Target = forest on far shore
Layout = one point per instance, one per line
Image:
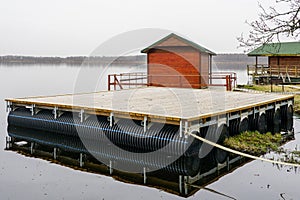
(221, 60)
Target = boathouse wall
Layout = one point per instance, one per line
(175, 67)
(284, 60)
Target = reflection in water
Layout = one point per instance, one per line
(70, 151)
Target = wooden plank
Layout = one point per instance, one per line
(158, 103)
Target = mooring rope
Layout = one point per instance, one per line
(241, 153)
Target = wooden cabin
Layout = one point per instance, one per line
(283, 60)
(175, 61)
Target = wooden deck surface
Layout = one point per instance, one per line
(174, 103)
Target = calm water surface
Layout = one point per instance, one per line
(31, 178)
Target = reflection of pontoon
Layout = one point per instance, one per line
(64, 150)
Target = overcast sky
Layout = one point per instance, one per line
(77, 27)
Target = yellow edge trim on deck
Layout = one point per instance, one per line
(131, 114)
(104, 112)
(241, 108)
(175, 118)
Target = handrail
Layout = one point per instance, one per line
(140, 79)
(260, 70)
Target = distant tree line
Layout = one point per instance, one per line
(221, 61)
(232, 58)
(73, 60)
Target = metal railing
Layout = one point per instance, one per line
(141, 79)
(274, 70)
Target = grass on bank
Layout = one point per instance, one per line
(277, 88)
(254, 143)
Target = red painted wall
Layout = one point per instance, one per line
(177, 67)
(204, 68)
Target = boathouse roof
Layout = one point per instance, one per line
(277, 49)
(176, 40)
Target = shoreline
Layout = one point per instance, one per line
(277, 88)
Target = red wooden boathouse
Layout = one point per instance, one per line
(175, 61)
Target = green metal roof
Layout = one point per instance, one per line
(188, 42)
(277, 49)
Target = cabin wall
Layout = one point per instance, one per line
(204, 69)
(174, 67)
(284, 60)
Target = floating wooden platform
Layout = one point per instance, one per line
(214, 113)
(157, 103)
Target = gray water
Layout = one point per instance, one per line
(32, 178)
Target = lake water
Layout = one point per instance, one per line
(32, 178)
